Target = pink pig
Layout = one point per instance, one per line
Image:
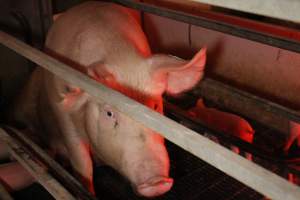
(225, 122)
(106, 41)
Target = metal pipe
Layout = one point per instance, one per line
(38, 171)
(64, 177)
(219, 26)
(245, 103)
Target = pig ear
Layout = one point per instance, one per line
(100, 73)
(200, 103)
(73, 98)
(178, 75)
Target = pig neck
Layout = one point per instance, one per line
(131, 71)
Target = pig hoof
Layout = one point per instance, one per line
(155, 186)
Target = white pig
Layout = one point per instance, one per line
(106, 42)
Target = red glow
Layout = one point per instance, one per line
(223, 121)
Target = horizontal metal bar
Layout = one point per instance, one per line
(64, 177)
(4, 195)
(285, 10)
(34, 168)
(242, 102)
(219, 26)
(223, 159)
(259, 102)
(198, 125)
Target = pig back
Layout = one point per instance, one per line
(97, 32)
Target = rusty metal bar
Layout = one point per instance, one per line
(36, 169)
(4, 195)
(283, 43)
(223, 159)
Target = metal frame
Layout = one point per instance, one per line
(18, 142)
(286, 10)
(239, 168)
(35, 168)
(59, 183)
(283, 43)
(255, 107)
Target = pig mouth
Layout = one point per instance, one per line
(154, 186)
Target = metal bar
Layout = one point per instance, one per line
(34, 168)
(64, 177)
(239, 168)
(197, 125)
(285, 10)
(4, 195)
(219, 26)
(247, 104)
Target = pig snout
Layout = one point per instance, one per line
(155, 186)
(152, 178)
(149, 170)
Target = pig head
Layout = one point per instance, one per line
(106, 42)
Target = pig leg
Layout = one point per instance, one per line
(248, 156)
(78, 152)
(82, 163)
(236, 150)
(294, 135)
(14, 177)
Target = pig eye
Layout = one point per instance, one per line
(109, 114)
